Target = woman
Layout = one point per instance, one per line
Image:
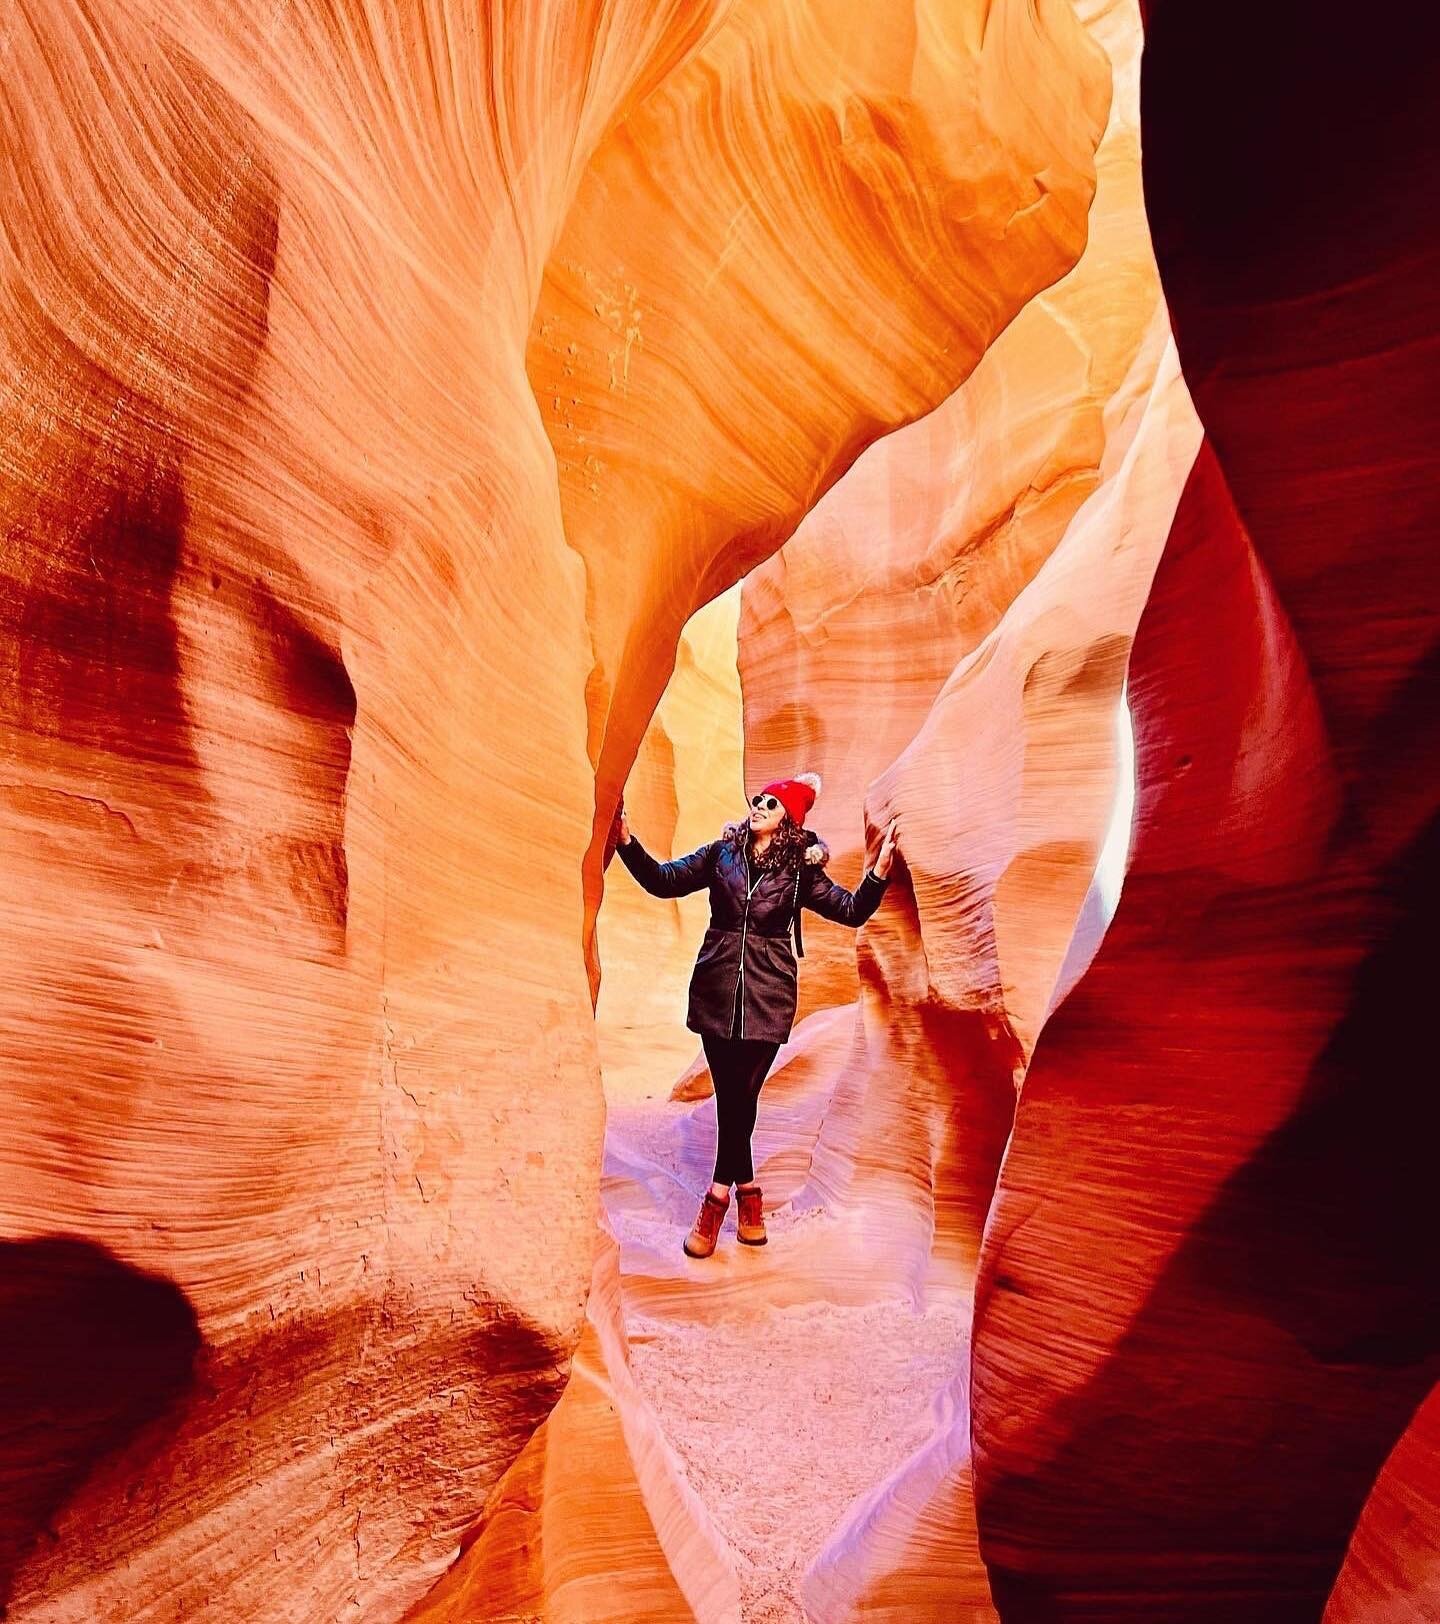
(760, 873)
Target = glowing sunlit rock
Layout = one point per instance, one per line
(324, 601)
(873, 649)
(685, 785)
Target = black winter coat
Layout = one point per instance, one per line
(745, 960)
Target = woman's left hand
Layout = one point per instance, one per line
(887, 848)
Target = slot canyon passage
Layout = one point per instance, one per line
(422, 423)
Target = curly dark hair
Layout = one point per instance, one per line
(785, 851)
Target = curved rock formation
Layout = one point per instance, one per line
(381, 391)
(685, 784)
(1208, 1301)
(1076, 432)
(852, 199)
(595, 1522)
(298, 618)
(873, 648)
(1391, 1572)
(951, 1046)
(1041, 492)
(276, 496)
(851, 635)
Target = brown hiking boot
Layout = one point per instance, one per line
(700, 1242)
(751, 1222)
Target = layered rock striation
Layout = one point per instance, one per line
(381, 393)
(950, 626)
(1391, 1571)
(1208, 1307)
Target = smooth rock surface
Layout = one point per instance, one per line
(955, 617)
(1391, 1572)
(292, 1045)
(1208, 1298)
(595, 1522)
(686, 784)
(352, 511)
(804, 239)
(875, 644)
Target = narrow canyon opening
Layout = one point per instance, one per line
(801, 1392)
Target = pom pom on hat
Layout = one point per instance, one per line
(812, 779)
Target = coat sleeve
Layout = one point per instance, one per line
(831, 901)
(675, 879)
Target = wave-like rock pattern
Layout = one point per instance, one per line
(1046, 486)
(1391, 1572)
(1052, 475)
(806, 238)
(595, 1522)
(1208, 1303)
(1041, 492)
(380, 392)
(684, 785)
(940, 1095)
(382, 389)
(275, 496)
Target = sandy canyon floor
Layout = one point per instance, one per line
(791, 1387)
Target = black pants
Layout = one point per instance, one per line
(737, 1067)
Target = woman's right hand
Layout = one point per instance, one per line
(623, 838)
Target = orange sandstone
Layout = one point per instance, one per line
(312, 594)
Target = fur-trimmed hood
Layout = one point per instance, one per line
(816, 852)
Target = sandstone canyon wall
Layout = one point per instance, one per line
(381, 393)
(686, 782)
(873, 648)
(299, 1182)
(948, 631)
(1207, 1257)
(1391, 1572)
(1208, 1304)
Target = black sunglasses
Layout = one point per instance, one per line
(766, 803)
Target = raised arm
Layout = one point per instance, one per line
(674, 879)
(831, 901)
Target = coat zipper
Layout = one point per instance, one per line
(744, 926)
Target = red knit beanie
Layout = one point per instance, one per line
(796, 795)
